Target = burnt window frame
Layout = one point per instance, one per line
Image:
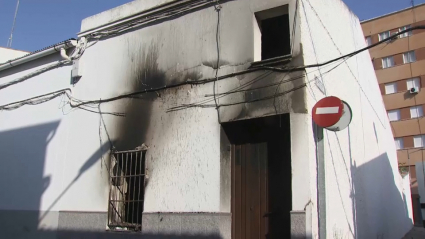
(126, 189)
(267, 14)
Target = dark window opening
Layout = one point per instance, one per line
(275, 32)
(126, 193)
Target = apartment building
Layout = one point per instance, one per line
(400, 69)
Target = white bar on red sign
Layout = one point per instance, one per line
(327, 110)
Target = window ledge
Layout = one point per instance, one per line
(280, 60)
(401, 120)
(410, 148)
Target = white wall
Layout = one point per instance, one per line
(33, 140)
(9, 54)
(364, 190)
(184, 155)
(420, 171)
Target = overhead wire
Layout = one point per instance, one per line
(34, 100)
(311, 40)
(288, 70)
(241, 89)
(368, 47)
(292, 50)
(281, 93)
(217, 8)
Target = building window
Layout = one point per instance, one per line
(406, 34)
(384, 35)
(412, 83)
(368, 41)
(390, 88)
(418, 141)
(271, 29)
(127, 183)
(416, 111)
(399, 143)
(394, 115)
(387, 62)
(409, 57)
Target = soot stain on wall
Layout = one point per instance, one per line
(133, 128)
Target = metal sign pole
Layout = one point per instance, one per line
(320, 180)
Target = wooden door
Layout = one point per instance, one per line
(261, 177)
(250, 202)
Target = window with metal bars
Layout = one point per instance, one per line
(126, 192)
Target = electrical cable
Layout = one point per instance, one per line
(217, 8)
(292, 50)
(280, 94)
(358, 83)
(34, 100)
(35, 73)
(259, 99)
(203, 102)
(150, 19)
(311, 40)
(298, 68)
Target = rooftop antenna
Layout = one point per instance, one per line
(9, 42)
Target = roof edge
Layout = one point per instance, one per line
(391, 13)
(14, 49)
(37, 54)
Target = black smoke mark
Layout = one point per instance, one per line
(133, 128)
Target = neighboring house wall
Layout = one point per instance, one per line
(9, 54)
(420, 172)
(33, 143)
(364, 189)
(395, 83)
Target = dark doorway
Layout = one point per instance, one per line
(261, 177)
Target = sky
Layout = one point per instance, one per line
(41, 23)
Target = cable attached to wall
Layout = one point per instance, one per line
(273, 69)
(217, 8)
(330, 36)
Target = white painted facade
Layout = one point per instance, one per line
(420, 172)
(64, 151)
(366, 196)
(9, 54)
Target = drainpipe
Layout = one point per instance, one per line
(48, 51)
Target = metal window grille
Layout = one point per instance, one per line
(126, 189)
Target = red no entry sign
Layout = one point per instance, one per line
(328, 111)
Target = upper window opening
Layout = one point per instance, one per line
(272, 33)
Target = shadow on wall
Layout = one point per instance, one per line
(22, 153)
(22, 180)
(379, 204)
(379, 208)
